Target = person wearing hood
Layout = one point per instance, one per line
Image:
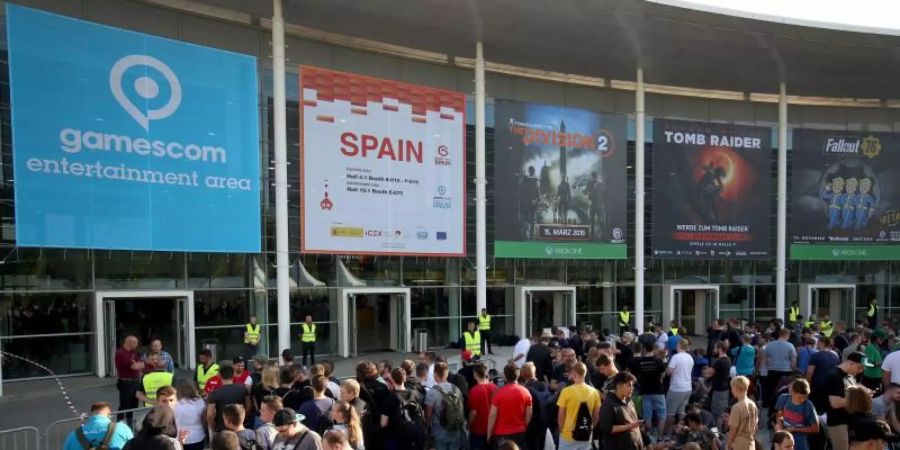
(158, 431)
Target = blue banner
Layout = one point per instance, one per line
(122, 140)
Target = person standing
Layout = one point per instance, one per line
(679, 369)
(624, 321)
(511, 410)
(480, 408)
(520, 352)
(128, 371)
(650, 370)
(795, 413)
(721, 368)
(872, 375)
(190, 415)
(152, 381)
(619, 422)
(99, 429)
(156, 347)
(835, 385)
(206, 369)
(484, 328)
(539, 353)
(472, 339)
(793, 314)
(743, 419)
(579, 411)
(251, 338)
(872, 314)
(781, 360)
(447, 425)
(308, 340)
(293, 435)
(229, 393)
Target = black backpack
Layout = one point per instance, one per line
(584, 423)
(103, 445)
(411, 421)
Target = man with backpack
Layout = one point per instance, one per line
(541, 400)
(317, 411)
(579, 411)
(403, 420)
(99, 432)
(233, 416)
(444, 410)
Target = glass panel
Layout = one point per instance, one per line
(499, 301)
(430, 303)
(686, 271)
(734, 302)
(438, 330)
(139, 270)
(46, 269)
(24, 314)
(213, 308)
(426, 272)
(219, 270)
(61, 354)
(374, 270)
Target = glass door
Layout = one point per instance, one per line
(353, 322)
(399, 332)
(112, 338)
(679, 312)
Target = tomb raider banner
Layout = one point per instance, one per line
(845, 195)
(711, 187)
(560, 182)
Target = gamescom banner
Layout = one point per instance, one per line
(560, 175)
(383, 166)
(122, 140)
(711, 186)
(845, 196)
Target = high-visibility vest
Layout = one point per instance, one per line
(484, 323)
(624, 318)
(794, 312)
(872, 310)
(827, 328)
(252, 335)
(203, 374)
(808, 324)
(674, 331)
(309, 333)
(152, 382)
(473, 342)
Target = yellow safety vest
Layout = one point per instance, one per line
(674, 331)
(827, 328)
(792, 316)
(473, 342)
(203, 375)
(309, 333)
(484, 323)
(808, 324)
(152, 382)
(624, 317)
(872, 310)
(252, 335)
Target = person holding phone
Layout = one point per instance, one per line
(619, 424)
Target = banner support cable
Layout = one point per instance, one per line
(282, 263)
(639, 118)
(781, 244)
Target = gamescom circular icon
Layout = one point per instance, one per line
(617, 233)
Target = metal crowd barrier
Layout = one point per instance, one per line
(22, 438)
(55, 434)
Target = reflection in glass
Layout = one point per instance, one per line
(138, 270)
(24, 314)
(61, 354)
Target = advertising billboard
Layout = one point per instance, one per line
(560, 182)
(845, 195)
(122, 140)
(711, 190)
(383, 166)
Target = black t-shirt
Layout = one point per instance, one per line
(392, 409)
(228, 394)
(259, 392)
(290, 398)
(624, 357)
(722, 377)
(836, 383)
(539, 354)
(649, 371)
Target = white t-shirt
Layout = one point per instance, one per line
(662, 340)
(681, 364)
(521, 349)
(892, 363)
(188, 416)
(429, 381)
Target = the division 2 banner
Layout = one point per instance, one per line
(710, 190)
(383, 166)
(560, 175)
(845, 198)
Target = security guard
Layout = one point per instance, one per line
(624, 320)
(153, 380)
(673, 330)
(484, 328)
(872, 313)
(827, 327)
(251, 339)
(308, 340)
(473, 339)
(793, 313)
(206, 370)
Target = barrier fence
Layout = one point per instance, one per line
(22, 438)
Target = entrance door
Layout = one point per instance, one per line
(836, 302)
(374, 319)
(164, 315)
(544, 307)
(694, 307)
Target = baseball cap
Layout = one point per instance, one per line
(873, 430)
(554, 345)
(860, 358)
(880, 334)
(286, 416)
(237, 359)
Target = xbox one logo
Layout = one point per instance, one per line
(548, 250)
(835, 252)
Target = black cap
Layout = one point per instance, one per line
(237, 359)
(872, 430)
(860, 358)
(284, 417)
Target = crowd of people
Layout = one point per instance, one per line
(564, 388)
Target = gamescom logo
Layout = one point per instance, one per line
(145, 87)
(443, 156)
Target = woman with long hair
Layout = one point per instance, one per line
(267, 386)
(346, 419)
(190, 415)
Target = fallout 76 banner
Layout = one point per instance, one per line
(845, 196)
(711, 187)
(560, 175)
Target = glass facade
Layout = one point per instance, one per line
(47, 295)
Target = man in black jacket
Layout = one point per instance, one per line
(539, 354)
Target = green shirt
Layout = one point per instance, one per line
(874, 356)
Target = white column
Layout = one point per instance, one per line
(781, 243)
(282, 263)
(639, 202)
(480, 182)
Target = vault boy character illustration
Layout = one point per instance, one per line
(852, 195)
(833, 194)
(865, 207)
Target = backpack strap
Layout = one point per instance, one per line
(82, 439)
(110, 431)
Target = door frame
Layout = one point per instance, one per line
(521, 305)
(806, 299)
(344, 325)
(669, 300)
(100, 322)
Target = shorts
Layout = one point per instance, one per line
(653, 405)
(676, 403)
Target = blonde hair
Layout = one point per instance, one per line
(351, 386)
(857, 400)
(350, 416)
(271, 378)
(740, 383)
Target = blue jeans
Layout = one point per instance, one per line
(573, 445)
(446, 440)
(653, 405)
